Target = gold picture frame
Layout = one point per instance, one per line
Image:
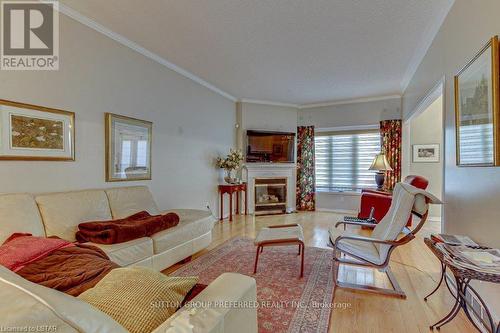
(128, 148)
(36, 133)
(477, 109)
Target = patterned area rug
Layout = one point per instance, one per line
(287, 303)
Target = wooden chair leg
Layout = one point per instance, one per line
(259, 249)
(301, 247)
(336, 267)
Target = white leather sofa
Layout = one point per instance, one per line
(58, 214)
(25, 305)
(28, 307)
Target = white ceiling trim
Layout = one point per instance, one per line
(428, 99)
(349, 101)
(257, 101)
(136, 47)
(410, 72)
(420, 53)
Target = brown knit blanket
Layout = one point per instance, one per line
(71, 270)
(136, 226)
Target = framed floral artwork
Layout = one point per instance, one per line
(32, 132)
(477, 109)
(128, 148)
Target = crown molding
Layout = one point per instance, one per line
(412, 68)
(257, 101)
(431, 96)
(64, 9)
(424, 46)
(349, 101)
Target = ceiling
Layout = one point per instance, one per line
(293, 51)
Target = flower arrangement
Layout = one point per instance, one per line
(232, 161)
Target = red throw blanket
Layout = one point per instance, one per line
(71, 270)
(136, 226)
(20, 249)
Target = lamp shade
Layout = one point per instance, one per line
(380, 163)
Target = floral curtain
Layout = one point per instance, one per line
(390, 131)
(305, 168)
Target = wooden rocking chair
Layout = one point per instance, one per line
(375, 251)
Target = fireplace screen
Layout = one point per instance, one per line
(270, 195)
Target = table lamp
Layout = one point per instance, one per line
(381, 165)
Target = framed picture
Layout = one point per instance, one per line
(128, 148)
(477, 109)
(32, 132)
(426, 153)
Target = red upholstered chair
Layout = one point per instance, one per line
(381, 200)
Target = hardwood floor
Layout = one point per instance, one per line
(415, 267)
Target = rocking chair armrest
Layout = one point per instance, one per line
(361, 224)
(398, 242)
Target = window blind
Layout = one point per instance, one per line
(342, 160)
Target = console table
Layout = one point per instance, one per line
(463, 277)
(231, 189)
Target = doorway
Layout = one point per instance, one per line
(423, 148)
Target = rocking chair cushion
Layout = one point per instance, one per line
(364, 250)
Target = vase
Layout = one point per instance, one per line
(228, 178)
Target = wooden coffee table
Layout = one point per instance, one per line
(280, 235)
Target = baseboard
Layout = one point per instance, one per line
(479, 312)
(338, 211)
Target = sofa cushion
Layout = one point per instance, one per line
(193, 223)
(23, 304)
(125, 201)
(62, 212)
(128, 253)
(154, 296)
(19, 213)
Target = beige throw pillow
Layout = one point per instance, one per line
(138, 298)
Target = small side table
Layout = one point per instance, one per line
(231, 189)
(463, 277)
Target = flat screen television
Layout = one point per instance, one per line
(270, 147)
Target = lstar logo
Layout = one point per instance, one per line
(30, 35)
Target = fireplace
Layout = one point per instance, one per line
(270, 195)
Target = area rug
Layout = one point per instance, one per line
(287, 303)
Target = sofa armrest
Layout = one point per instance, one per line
(228, 304)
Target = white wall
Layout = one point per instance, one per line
(269, 117)
(352, 114)
(427, 128)
(471, 195)
(191, 123)
(252, 116)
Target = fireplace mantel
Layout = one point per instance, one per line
(271, 170)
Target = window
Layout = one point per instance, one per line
(342, 160)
